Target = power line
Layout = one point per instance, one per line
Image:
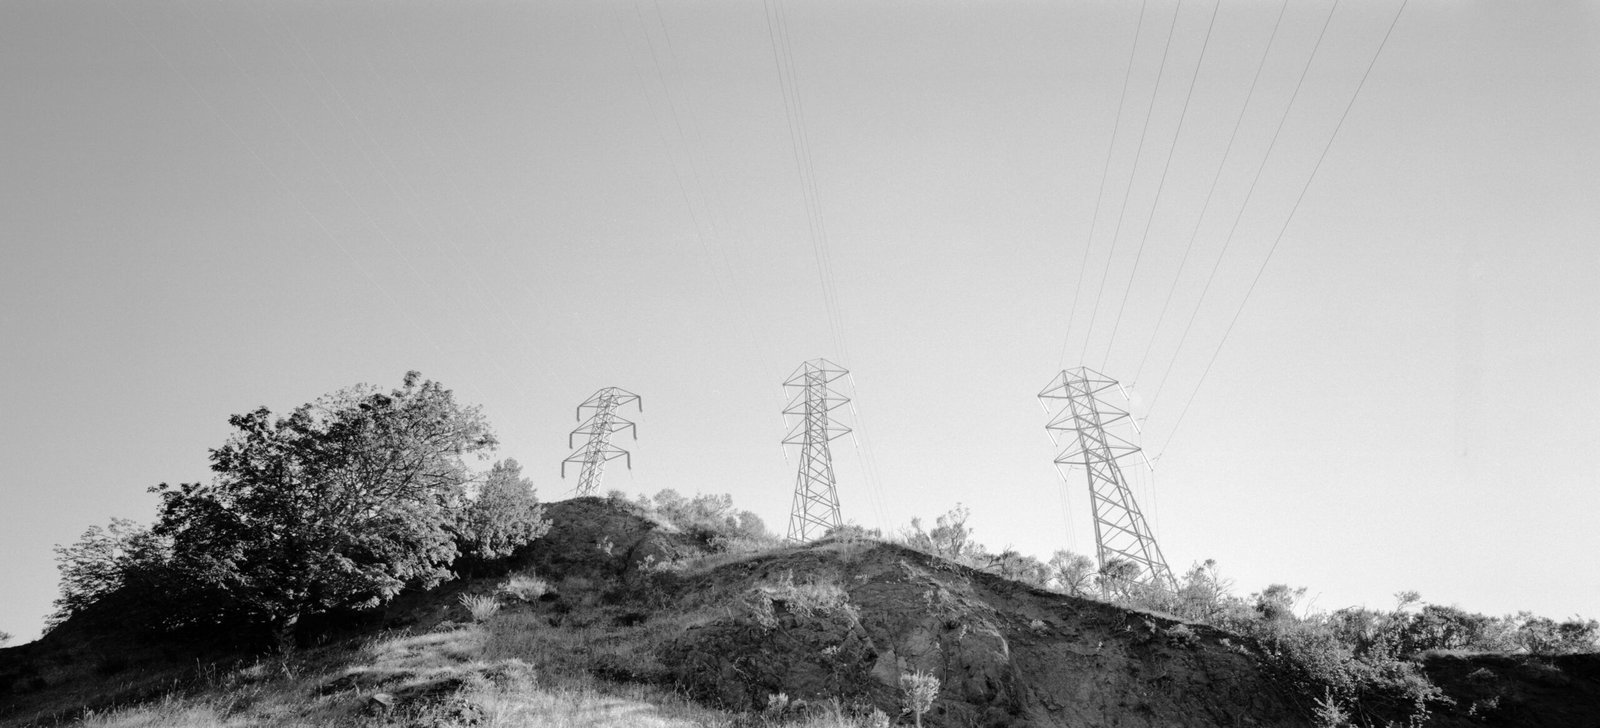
(1249, 194)
(1210, 193)
(1105, 169)
(805, 161)
(799, 138)
(1285, 227)
(710, 199)
(1162, 184)
(1133, 175)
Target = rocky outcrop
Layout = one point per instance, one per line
(1005, 654)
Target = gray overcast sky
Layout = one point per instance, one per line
(206, 207)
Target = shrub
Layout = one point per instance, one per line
(917, 693)
(810, 598)
(1328, 713)
(1071, 573)
(1437, 627)
(949, 539)
(1545, 636)
(710, 519)
(1180, 635)
(1203, 594)
(1118, 579)
(480, 606)
(853, 533)
(1017, 566)
(504, 515)
(124, 562)
(525, 587)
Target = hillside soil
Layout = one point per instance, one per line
(833, 624)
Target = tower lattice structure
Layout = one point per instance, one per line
(603, 421)
(816, 496)
(1120, 530)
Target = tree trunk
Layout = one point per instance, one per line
(284, 631)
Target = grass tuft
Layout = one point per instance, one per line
(525, 588)
(480, 606)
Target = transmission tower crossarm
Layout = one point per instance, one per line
(603, 422)
(1120, 529)
(815, 507)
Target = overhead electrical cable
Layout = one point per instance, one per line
(805, 162)
(1161, 186)
(1105, 170)
(1210, 193)
(1249, 194)
(1288, 219)
(788, 81)
(712, 202)
(1133, 175)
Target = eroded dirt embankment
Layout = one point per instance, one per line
(1005, 654)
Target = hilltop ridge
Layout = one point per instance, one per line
(812, 635)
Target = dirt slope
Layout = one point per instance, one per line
(1005, 654)
(834, 621)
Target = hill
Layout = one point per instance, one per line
(638, 623)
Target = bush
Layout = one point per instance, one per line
(525, 587)
(917, 693)
(1071, 573)
(949, 539)
(480, 606)
(125, 560)
(709, 519)
(1544, 636)
(1016, 566)
(810, 598)
(504, 515)
(853, 533)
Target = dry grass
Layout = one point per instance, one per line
(523, 664)
(525, 587)
(480, 606)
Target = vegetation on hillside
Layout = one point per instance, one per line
(1356, 658)
(338, 505)
(347, 503)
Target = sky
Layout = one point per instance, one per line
(1351, 296)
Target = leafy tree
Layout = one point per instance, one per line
(1436, 627)
(1118, 578)
(1276, 602)
(709, 518)
(1545, 636)
(122, 558)
(504, 515)
(5, 637)
(340, 504)
(1017, 566)
(1203, 593)
(1072, 573)
(950, 538)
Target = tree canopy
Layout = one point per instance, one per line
(341, 503)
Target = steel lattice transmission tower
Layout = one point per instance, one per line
(602, 422)
(816, 499)
(1120, 531)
